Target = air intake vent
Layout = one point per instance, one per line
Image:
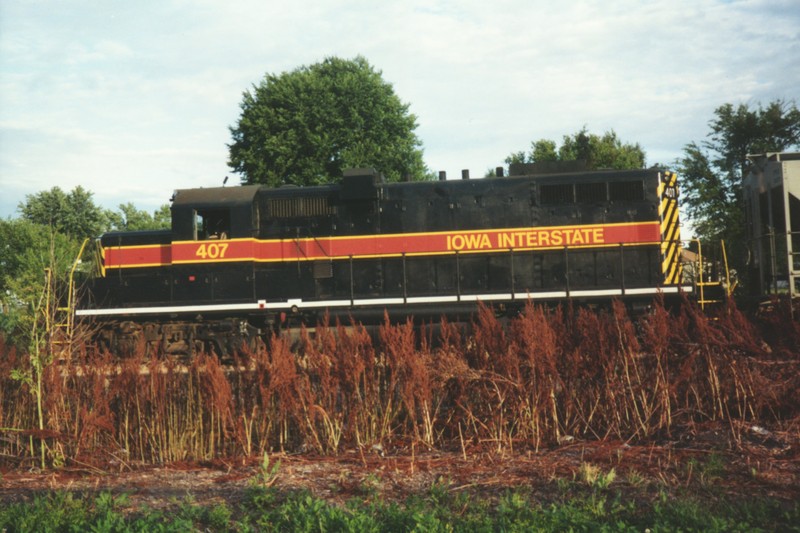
(300, 207)
(626, 191)
(557, 194)
(590, 192)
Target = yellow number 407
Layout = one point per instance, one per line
(212, 250)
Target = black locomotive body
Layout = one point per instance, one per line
(240, 261)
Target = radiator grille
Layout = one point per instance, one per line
(300, 207)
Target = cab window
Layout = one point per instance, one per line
(212, 224)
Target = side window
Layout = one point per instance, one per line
(211, 224)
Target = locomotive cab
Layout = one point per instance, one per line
(216, 213)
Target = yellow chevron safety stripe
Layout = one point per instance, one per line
(670, 228)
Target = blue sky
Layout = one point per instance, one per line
(132, 100)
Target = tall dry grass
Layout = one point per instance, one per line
(542, 378)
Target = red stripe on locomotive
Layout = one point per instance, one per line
(384, 245)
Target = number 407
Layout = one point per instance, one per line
(212, 250)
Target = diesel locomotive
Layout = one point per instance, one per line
(240, 262)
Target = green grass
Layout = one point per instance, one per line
(265, 509)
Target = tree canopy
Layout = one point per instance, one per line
(711, 171)
(129, 218)
(306, 126)
(74, 213)
(26, 250)
(598, 151)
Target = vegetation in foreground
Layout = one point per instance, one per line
(543, 379)
(593, 508)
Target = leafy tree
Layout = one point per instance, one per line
(547, 150)
(162, 217)
(73, 213)
(28, 249)
(711, 171)
(129, 218)
(306, 126)
(606, 151)
(24, 253)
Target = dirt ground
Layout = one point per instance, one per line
(705, 460)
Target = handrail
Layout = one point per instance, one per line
(69, 322)
(779, 253)
(702, 284)
(311, 235)
(511, 252)
(729, 287)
